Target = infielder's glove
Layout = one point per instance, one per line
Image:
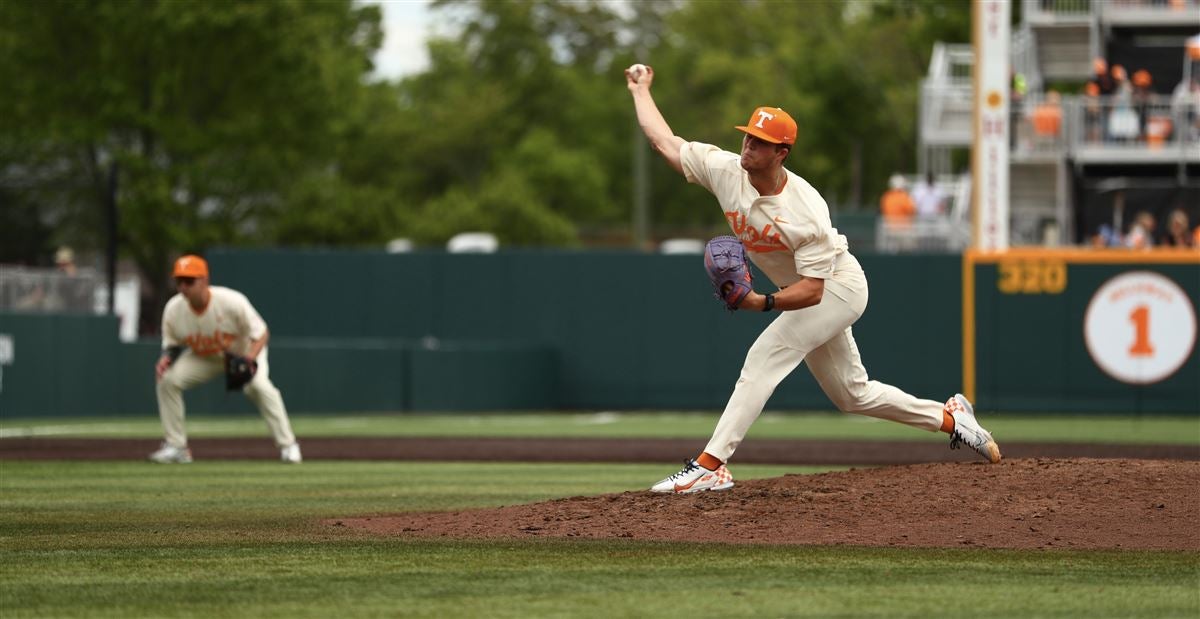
(725, 260)
(238, 371)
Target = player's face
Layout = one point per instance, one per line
(758, 154)
(192, 288)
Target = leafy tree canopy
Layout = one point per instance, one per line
(257, 122)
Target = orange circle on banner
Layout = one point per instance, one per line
(993, 99)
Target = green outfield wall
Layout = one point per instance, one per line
(1084, 330)
(585, 330)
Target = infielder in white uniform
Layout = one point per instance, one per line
(785, 227)
(199, 325)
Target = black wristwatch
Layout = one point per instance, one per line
(770, 303)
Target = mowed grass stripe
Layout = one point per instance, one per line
(592, 579)
(1117, 429)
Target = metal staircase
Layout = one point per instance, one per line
(1064, 35)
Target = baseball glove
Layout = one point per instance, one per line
(725, 261)
(238, 371)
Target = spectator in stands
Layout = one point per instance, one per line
(1046, 119)
(1142, 80)
(1123, 124)
(1016, 103)
(1122, 88)
(45, 290)
(1101, 78)
(1185, 104)
(1178, 233)
(928, 198)
(896, 205)
(1141, 233)
(1093, 118)
(64, 260)
(1142, 96)
(1106, 236)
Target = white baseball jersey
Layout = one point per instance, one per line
(788, 235)
(229, 322)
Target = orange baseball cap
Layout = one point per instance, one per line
(771, 124)
(190, 266)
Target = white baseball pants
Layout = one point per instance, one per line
(821, 336)
(190, 370)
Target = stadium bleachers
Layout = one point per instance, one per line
(1071, 153)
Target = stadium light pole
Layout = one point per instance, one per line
(641, 190)
(110, 206)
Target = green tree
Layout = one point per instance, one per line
(254, 122)
(848, 72)
(524, 97)
(214, 114)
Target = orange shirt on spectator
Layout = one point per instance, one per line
(1047, 120)
(897, 207)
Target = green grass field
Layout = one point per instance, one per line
(245, 539)
(1068, 428)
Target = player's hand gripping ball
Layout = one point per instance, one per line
(635, 71)
(725, 261)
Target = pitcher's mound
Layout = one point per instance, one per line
(1032, 503)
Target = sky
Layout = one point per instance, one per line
(406, 23)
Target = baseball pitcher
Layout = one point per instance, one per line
(210, 331)
(784, 228)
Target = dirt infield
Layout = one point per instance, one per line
(1044, 495)
(758, 451)
(1028, 504)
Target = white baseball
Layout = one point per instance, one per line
(636, 70)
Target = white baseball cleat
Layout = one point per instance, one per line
(695, 478)
(968, 431)
(168, 454)
(290, 454)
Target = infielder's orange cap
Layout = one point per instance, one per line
(190, 266)
(771, 124)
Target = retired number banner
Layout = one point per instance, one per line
(989, 155)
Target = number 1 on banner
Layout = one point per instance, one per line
(1140, 317)
(1140, 328)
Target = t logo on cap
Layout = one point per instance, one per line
(772, 125)
(763, 115)
(190, 266)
